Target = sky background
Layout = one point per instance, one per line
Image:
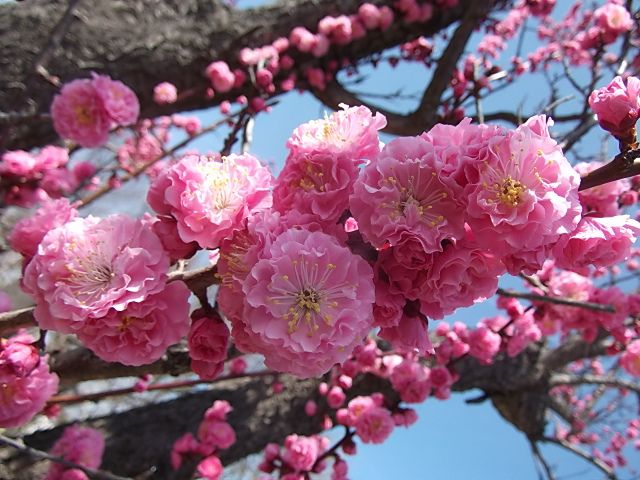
(451, 440)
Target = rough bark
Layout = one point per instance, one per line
(145, 42)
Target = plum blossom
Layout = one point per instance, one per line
(210, 197)
(142, 333)
(208, 341)
(81, 445)
(210, 468)
(630, 359)
(119, 101)
(25, 381)
(617, 105)
(602, 199)
(308, 303)
(301, 453)
(88, 266)
(165, 93)
(221, 76)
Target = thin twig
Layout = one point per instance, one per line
(584, 455)
(557, 300)
(537, 455)
(566, 379)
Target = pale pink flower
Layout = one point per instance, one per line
(335, 397)
(401, 192)
(369, 15)
(460, 276)
(218, 411)
(89, 266)
(525, 197)
(210, 468)
(29, 232)
(210, 197)
(221, 76)
(119, 101)
(208, 341)
(308, 303)
(51, 158)
(18, 163)
(301, 453)
(524, 330)
(601, 242)
(602, 199)
(79, 114)
(5, 302)
(613, 19)
(141, 333)
(374, 425)
(165, 93)
(81, 445)
(630, 359)
(617, 105)
(302, 39)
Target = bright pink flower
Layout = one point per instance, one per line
(221, 76)
(308, 303)
(89, 266)
(51, 158)
(369, 15)
(210, 468)
(374, 425)
(81, 445)
(165, 93)
(29, 232)
(410, 335)
(141, 333)
(79, 114)
(411, 380)
(183, 446)
(301, 453)
(302, 39)
(400, 192)
(525, 197)
(218, 411)
(617, 105)
(119, 101)
(601, 242)
(460, 276)
(603, 199)
(18, 163)
(216, 433)
(210, 197)
(166, 228)
(336, 397)
(387, 310)
(630, 359)
(208, 341)
(484, 344)
(523, 331)
(540, 8)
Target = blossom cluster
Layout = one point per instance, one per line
(83, 446)
(214, 434)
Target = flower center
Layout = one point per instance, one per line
(83, 115)
(510, 192)
(126, 322)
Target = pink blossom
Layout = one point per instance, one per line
(336, 397)
(630, 359)
(218, 411)
(410, 335)
(602, 199)
(401, 192)
(525, 196)
(369, 15)
(166, 228)
(460, 276)
(210, 468)
(308, 303)
(79, 114)
(301, 453)
(613, 20)
(601, 242)
(374, 425)
(540, 7)
(617, 105)
(80, 445)
(5, 302)
(165, 93)
(216, 433)
(387, 310)
(29, 232)
(484, 344)
(221, 76)
(89, 266)
(302, 39)
(210, 197)
(208, 341)
(119, 101)
(18, 163)
(142, 333)
(523, 332)
(185, 445)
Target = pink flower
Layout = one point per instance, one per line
(336, 397)
(484, 344)
(301, 453)
(216, 433)
(89, 266)
(308, 303)
(525, 197)
(221, 76)
(29, 232)
(18, 163)
(601, 242)
(613, 20)
(142, 333)
(602, 199)
(166, 228)
(183, 446)
(79, 114)
(218, 411)
(165, 93)
(387, 310)
(119, 101)
(401, 192)
(210, 468)
(369, 15)
(374, 425)
(81, 445)
(630, 359)
(208, 341)
(210, 197)
(410, 335)
(25, 381)
(460, 276)
(617, 105)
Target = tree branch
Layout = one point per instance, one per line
(614, 382)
